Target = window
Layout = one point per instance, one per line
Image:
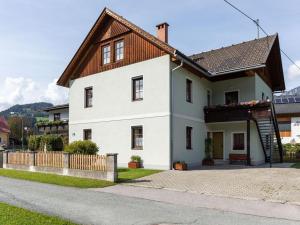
(119, 48)
(208, 95)
(189, 137)
(137, 137)
(262, 96)
(231, 97)
(238, 141)
(137, 88)
(87, 134)
(106, 54)
(188, 90)
(89, 97)
(56, 116)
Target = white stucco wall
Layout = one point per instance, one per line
(114, 113)
(262, 87)
(244, 85)
(228, 128)
(64, 114)
(189, 114)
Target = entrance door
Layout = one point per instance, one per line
(217, 145)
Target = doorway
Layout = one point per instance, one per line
(217, 145)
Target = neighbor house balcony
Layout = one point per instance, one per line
(53, 127)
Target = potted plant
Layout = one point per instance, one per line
(180, 165)
(135, 162)
(208, 160)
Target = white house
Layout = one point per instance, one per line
(134, 94)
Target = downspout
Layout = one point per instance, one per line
(171, 111)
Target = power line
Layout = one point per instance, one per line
(260, 27)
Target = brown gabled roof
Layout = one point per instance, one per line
(82, 51)
(245, 55)
(56, 107)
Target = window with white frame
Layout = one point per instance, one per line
(106, 54)
(238, 141)
(137, 137)
(119, 50)
(189, 138)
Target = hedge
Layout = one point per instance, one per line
(82, 147)
(52, 142)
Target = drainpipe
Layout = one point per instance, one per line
(171, 112)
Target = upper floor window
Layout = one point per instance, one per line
(87, 134)
(188, 90)
(137, 88)
(208, 96)
(88, 97)
(106, 54)
(119, 48)
(137, 137)
(56, 116)
(231, 97)
(189, 137)
(262, 96)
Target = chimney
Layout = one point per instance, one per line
(162, 32)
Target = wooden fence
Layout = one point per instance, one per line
(88, 162)
(49, 159)
(20, 158)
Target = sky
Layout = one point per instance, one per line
(39, 38)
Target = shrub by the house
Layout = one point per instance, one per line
(82, 147)
(49, 142)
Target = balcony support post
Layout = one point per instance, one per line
(248, 143)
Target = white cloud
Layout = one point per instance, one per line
(294, 71)
(22, 90)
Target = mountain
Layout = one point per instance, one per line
(32, 110)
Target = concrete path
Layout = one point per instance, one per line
(269, 184)
(94, 207)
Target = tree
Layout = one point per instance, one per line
(15, 125)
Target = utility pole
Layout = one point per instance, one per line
(257, 25)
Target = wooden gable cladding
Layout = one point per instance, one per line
(113, 29)
(136, 49)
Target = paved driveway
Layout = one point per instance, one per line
(271, 184)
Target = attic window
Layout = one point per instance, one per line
(119, 50)
(106, 54)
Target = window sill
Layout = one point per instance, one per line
(137, 100)
(189, 149)
(137, 149)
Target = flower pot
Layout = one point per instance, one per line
(208, 162)
(180, 166)
(134, 165)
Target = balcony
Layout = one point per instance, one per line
(237, 112)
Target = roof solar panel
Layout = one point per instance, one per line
(297, 99)
(278, 100)
(284, 100)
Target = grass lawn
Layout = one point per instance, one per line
(11, 215)
(125, 174)
(55, 179)
(296, 165)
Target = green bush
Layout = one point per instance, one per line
(291, 147)
(34, 142)
(136, 158)
(82, 147)
(52, 142)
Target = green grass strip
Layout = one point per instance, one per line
(11, 215)
(55, 179)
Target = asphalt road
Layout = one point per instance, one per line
(94, 207)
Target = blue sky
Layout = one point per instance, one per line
(38, 38)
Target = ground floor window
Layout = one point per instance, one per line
(189, 137)
(137, 137)
(87, 134)
(238, 141)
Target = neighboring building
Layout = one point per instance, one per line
(287, 107)
(58, 121)
(4, 133)
(134, 94)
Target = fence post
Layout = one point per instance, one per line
(5, 159)
(66, 161)
(112, 167)
(1, 159)
(32, 161)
